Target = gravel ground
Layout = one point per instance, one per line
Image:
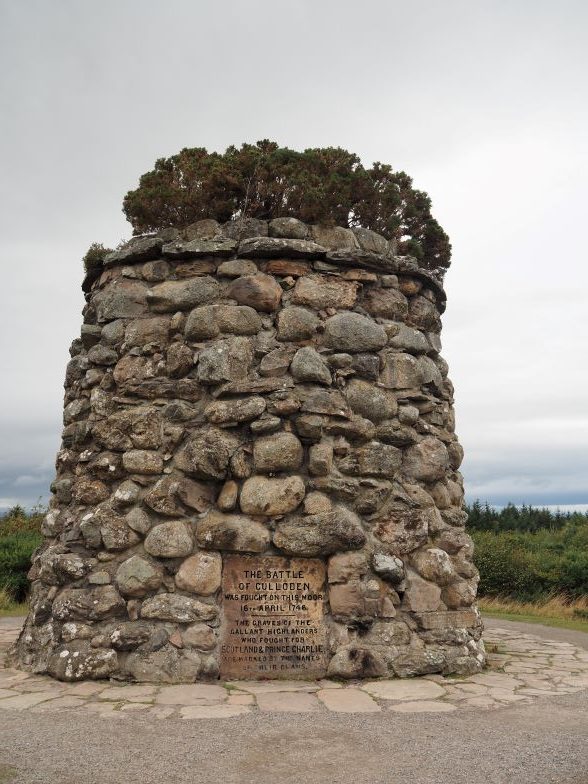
(539, 743)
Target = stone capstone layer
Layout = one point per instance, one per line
(264, 389)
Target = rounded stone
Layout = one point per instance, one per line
(169, 540)
(233, 533)
(200, 573)
(178, 608)
(426, 461)
(260, 291)
(295, 323)
(278, 452)
(371, 401)
(308, 366)
(352, 332)
(271, 497)
(142, 461)
(137, 577)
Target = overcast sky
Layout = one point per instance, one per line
(482, 103)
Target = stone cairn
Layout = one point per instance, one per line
(266, 388)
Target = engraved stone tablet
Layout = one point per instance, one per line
(273, 618)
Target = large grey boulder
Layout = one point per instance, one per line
(271, 497)
(308, 366)
(173, 295)
(320, 534)
(178, 608)
(77, 661)
(196, 248)
(169, 540)
(232, 533)
(426, 461)
(207, 454)
(277, 452)
(138, 576)
(274, 248)
(354, 333)
(225, 360)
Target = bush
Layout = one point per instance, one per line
(20, 535)
(320, 185)
(95, 257)
(15, 561)
(532, 565)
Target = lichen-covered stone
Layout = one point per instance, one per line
(142, 461)
(403, 529)
(94, 604)
(426, 461)
(200, 573)
(169, 540)
(138, 576)
(308, 366)
(172, 295)
(232, 533)
(223, 411)
(199, 246)
(373, 459)
(435, 565)
(178, 608)
(77, 661)
(274, 247)
(388, 567)
(271, 497)
(207, 454)
(353, 333)
(320, 534)
(226, 360)
(385, 303)
(278, 452)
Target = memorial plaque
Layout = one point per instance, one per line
(273, 617)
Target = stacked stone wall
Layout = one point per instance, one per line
(255, 388)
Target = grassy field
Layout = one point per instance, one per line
(10, 608)
(552, 611)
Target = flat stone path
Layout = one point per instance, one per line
(522, 668)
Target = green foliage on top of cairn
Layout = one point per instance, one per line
(320, 185)
(94, 257)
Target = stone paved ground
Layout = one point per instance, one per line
(536, 740)
(523, 669)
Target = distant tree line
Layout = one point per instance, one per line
(484, 517)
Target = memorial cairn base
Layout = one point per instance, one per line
(259, 471)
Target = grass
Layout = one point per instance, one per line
(10, 608)
(555, 610)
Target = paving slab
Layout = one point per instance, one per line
(288, 702)
(191, 694)
(142, 692)
(412, 689)
(349, 700)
